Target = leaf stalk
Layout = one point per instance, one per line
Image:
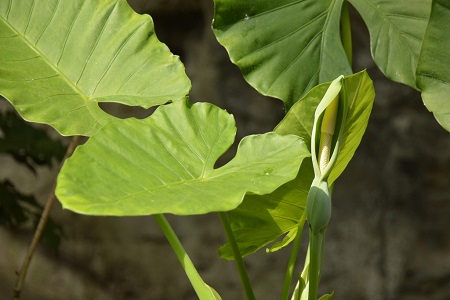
(245, 280)
(203, 291)
(293, 258)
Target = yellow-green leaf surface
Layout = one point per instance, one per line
(283, 48)
(59, 58)
(260, 220)
(165, 164)
(433, 72)
(360, 97)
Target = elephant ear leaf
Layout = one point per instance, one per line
(59, 59)
(165, 164)
(397, 29)
(283, 48)
(433, 73)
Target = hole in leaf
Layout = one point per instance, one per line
(123, 111)
(227, 156)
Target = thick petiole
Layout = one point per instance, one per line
(203, 291)
(237, 257)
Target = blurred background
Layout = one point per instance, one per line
(389, 236)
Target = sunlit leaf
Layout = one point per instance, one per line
(283, 48)
(360, 97)
(165, 164)
(59, 59)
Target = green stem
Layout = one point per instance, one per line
(203, 291)
(346, 32)
(303, 278)
(316, 242)
(293, 258)
(237, 257)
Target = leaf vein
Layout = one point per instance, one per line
(172, 154)
(45, 99)
(29, 16)
(152, 156)
(392, 26)
(48, 22)
(127, 159)
(30, 80)
(94, 46)
(115, 56)
(68, 33)
(274, 9)
(135, 71)
(312, 21)
(174, 127)
(65, 114)
(20, 60)
(294, 60)
(8, 10)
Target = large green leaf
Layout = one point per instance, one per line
(396, 33)
(283, 48)
(58, 59)
(165, 164)
(260, 220)
(433, 73)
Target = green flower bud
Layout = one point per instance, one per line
(318, 206)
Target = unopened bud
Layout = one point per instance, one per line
(318, 206)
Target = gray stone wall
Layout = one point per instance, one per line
(389, 234)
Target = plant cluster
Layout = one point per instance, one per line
(60, 59)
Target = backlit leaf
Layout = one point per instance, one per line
(59, 59)
(165, 164)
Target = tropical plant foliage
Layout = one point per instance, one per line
(284, 55)
(60, 59)
(165, 164)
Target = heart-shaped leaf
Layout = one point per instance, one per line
(260, 220)
(283, 48)
(396, 31)
(165, 164)
(433, 73)
(58, 59)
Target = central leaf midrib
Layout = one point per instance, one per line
(206, 179)
(210, 177)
